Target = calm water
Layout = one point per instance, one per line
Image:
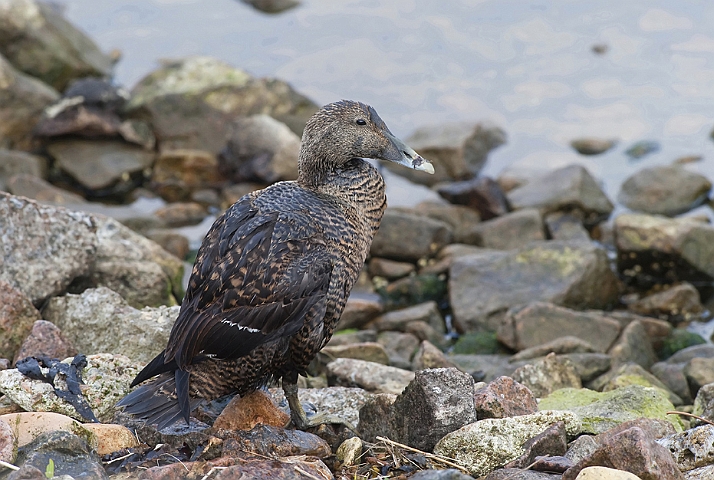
(526, 66)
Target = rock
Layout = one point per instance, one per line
(704, 402)
(270, 441)
(17, 317)
(552, 442)
(389, 269)
(413, 290)
(430, 356)
(633, 346)
(519, 474)
(588, 365)
(99, 320)
(487, 444)
(701, 473)
(349, 337)
(446, 474)
(400, 347)
(699, 372)
(17, 162)
(570, 188)
(481, 194)
(341, 402)
(111, 437)
(260, 149)
(437, 402)
(547, 375)
(581, 447)
(565, 226)
(406, 236)
(509, 231)
(672, 375)
(605, 473)
(171, 241)
(641, 149)
(679, 303)
(181, 214)
(484, 367)
(179, 173)
(504, 397)
(70, 454)
(45, 339)
(591, 146)
(376, 417)
(359, 311)
(106, 378)
(536, 324)
(652, 249)
(601, 411)
(458, 150)
(8, 441)
(99, 165)
(367, 351)
(633, 450)
(41, 190)
(349, 451)
(272, 6)
(664, 190)
(633, 374)
(424, 331)
(691, 449)
(22, 100)
(459, 217)
(696, 351)
(244, 413)
(571, 274)
(373, 377)
(192, 102)
(399, 319)
(560, 345)
(657, 330)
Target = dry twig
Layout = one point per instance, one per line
(439, 458)
(702, 419)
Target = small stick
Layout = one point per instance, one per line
(307, 474)
(9, 465)
(205, 477)
(675, 412)
(121, 458)
(446, 460)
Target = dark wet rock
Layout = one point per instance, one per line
(244, 413)
(98, 165)
(400, 347)
(22, 100)
(171, 241)
(274, 441)
(457, 150)
(389, 269)
(359, 311)
(181, 214)
(672, 375)
(17, 317)
(678, 339)
(407, 236)
(565, 226)
(571, 274)
(192, 102)
(509, 231)
(99, 320)
(481, 194)
(504, 397)
(70, 454)
(72, 116)
(569, 189)
(482, 446)
(272, 6)
(430, 356)
(632, 450)
(41, 190)
(560, 345)
(676, 304)
(260, 149)
(653, 249)
(341, 402)
(553, 441)
(437, 402)
(368, 351)
(547, 375)
(376, 417)
(413, 290)
(704, 403)
(632, 374)
(592, 146)
(348, 337)
(633, 346)
(699, 372)
(641, 149)
(17, 162)
(459, 217)
(539, 323)
(45, 340)
(665, 190)
(179, 173)
(40, 42)
(446, 474)
(589, 365)
(692, 448)
(370, 376)
(600, 411)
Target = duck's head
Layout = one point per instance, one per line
(344, 130)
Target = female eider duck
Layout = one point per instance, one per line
(274, 272)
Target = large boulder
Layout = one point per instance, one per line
(405, 235)
(40, 42)
(192, 102)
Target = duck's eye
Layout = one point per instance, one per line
(360, 121)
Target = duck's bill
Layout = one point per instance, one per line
(408, 157)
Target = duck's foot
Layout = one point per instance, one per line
(299, 418)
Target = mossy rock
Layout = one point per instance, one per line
(477, 343)
(678, 340)
(413, 290)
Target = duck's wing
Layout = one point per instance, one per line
(256, 277)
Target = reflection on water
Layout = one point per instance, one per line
(528, 66)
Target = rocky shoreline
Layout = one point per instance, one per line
(512, 329)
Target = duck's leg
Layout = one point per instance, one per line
(297, 413)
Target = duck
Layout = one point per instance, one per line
(274, 273)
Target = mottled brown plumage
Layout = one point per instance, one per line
(274, 272)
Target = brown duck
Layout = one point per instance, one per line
(274, 272)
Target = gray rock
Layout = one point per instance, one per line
(699, 372)
(446, 474)
(676, 304)
(701, 473)
(359, 311)
(368, 351)
(376, 417)
(539, 323)
(179, 173)
(272, 6)
(424, 331)
(664, 190)
(632, 374)
(565, 226)
(341, 402)
(36, 188)
(591, 146)
(695, 351)
(633, 346)
(509, 231)
(372, 377)
(347, 338)
(652, 249)
(430, 356)
(485, 445)
(704, 402)
(100, 320)
(672, 375)
(459, 217)
(389, 269)
(589, 365)
(22, 100)
(571, 274)
(407, 236)
(17, 316)
(437, 402)
(522, 474)
(581, 447)
(400, 347)
(547, 375)
(260, 149)
(570, 188)
(14, 162)
(560, 345)
(693, 448)
(192, 102)
(70, 454)
(399, 319)
(481, 194)
(484, 367)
